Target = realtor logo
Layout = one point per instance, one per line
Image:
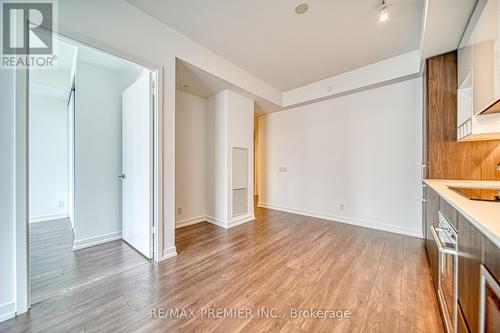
(27, 28)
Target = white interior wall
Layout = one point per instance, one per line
(98, 154)
(229, 124)
(206, 132)
(190, 152)
(7, 195)
(48, 157)
(71, 157)
(362, 151)
(240, 133)
(217, 181)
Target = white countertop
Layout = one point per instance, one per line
(484, 215)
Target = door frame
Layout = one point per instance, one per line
(23, 297)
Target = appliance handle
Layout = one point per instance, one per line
(441, 247)
(486, 279)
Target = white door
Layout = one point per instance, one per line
(136, 166)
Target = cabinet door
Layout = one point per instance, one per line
(484, 37)
(449, 212)
(469, 260)
(491, 257)
(464, 92)
(464, 65)
(483, 78)
(432, 219)
(461, 325)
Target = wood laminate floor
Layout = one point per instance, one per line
(56, 269)
(279, 262)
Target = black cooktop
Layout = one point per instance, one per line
(478, 193)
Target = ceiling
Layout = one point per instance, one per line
(269, 40)
(445, 24)
(55, 82)
(113, 63)
(196, 81)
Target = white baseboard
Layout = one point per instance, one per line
(347, 220)
(241, 219)
(190, 221)
(168, 253)
(217, 222)
(43, 218)
(7, 311)
(92, 241)
(233, 223)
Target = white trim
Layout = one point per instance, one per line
(347, 220)
(158, 205)
(168, 253)
(88, 242)
(43, 218)
(190, 221)
(233, 223)
(23, 299)
(7, 310)
(217, 222)
(397, 68)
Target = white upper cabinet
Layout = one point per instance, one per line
(464, 92)
(478, 91)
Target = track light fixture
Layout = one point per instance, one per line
(383, 12)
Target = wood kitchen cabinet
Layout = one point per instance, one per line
(469, 260)
(431, 202)
(449, 212)
(461, 325)
(474, 250)
(444, 157)
(491, 258)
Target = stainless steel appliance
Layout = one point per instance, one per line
(445, 237)
(489, 314)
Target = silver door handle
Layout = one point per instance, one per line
(441, 247)
(122, 176)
